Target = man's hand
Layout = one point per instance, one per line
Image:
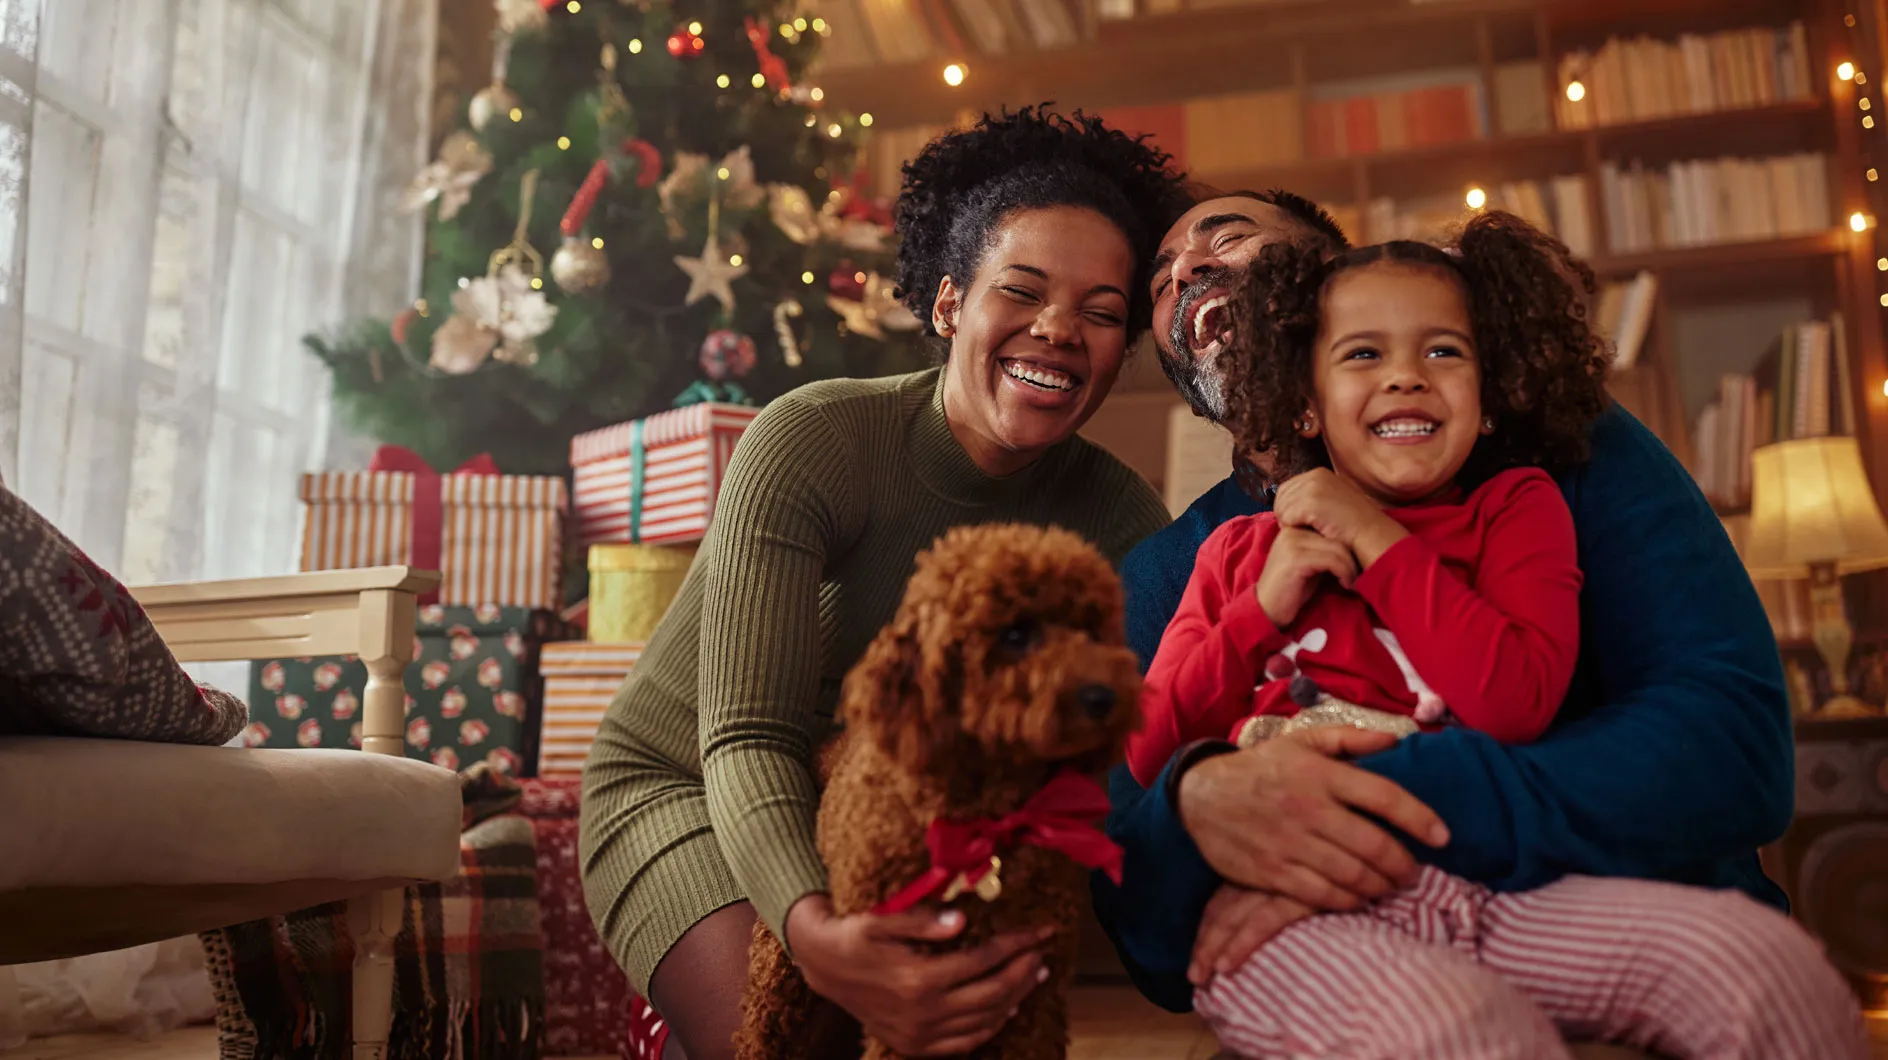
(1299, 558)
(920, 1004)
(1282, 817)
(1236, 924)
(1333, 508)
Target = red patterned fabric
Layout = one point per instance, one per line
(78, 656)
(647, 1033)
(589, 1007)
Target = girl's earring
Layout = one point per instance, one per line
(1308, 425)
(1488, 425)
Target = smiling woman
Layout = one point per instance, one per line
(1024, 243)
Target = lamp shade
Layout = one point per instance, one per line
(1811, 502)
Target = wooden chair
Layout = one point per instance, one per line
(364, 825)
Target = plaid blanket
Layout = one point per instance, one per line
(468, 974)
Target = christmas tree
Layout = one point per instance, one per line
(649, 205)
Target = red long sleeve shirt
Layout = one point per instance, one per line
(1482, 598)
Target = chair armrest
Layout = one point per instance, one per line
(342, 612)
(367, 612)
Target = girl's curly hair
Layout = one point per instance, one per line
(964, 184)
(1543, 367)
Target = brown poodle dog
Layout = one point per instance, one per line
(1004, 666)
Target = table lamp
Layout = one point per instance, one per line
(1813, 514)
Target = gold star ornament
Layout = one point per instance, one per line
(711, 274)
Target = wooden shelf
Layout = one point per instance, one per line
(1194, 54)
(1725, 257)
(1538, 155)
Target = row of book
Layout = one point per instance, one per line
(1450, 111)
(1558, 205)
(1643, 79)
(1803, 388)
(1708, 201)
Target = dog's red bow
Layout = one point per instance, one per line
(1059, 817)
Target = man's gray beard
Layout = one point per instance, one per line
(1199, 382)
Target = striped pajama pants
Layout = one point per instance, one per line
(1447, 969)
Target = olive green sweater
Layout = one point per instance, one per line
(831, 494)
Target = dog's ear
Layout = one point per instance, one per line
(899, 694)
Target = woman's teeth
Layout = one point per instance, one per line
(1404, 428)
(1036, 375)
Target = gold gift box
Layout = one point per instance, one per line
(631, 586)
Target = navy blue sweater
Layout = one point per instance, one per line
(1671, 759)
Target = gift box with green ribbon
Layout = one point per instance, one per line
(473, 691)
(654, 481)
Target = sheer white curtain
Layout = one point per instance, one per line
(186, 188)
(199, 183)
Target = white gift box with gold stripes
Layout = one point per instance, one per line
(498, 539)
(580, 679)
(654, 481)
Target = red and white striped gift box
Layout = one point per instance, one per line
(499, 537)
(654, 481)
(580, 679)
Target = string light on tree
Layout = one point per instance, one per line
(1476, 198)
(686, 42)
(1846, 71)
(865, 120)
(954, 74)
(1858, 221)
(1575, 91)
(489, 102)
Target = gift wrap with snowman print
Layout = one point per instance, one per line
(473, 691)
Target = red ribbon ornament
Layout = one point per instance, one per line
(585, 199)
(772, 67)
(429, 509)
(1060, 817)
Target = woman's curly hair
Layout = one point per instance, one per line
(963, 185)
(1543, 367)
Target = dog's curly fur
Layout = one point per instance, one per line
(981, 689)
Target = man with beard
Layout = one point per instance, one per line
(1671, 759)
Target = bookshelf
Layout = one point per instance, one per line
(1174, 67)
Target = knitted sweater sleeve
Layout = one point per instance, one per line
(784, 507)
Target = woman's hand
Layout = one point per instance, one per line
(1298, 559)
(920, 1004)
(1286, 818)
(1319, 501)
(1237, 922)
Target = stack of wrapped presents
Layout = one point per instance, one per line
(645, 491)
(499, 675)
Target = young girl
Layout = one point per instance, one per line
(1419, 568)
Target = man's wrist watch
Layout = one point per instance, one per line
(1186, 758)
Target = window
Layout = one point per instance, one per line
(209, 181)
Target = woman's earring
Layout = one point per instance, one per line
(1488, 425)
(1307, 425)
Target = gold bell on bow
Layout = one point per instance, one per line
(988, 887)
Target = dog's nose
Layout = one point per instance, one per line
(1097, 700)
